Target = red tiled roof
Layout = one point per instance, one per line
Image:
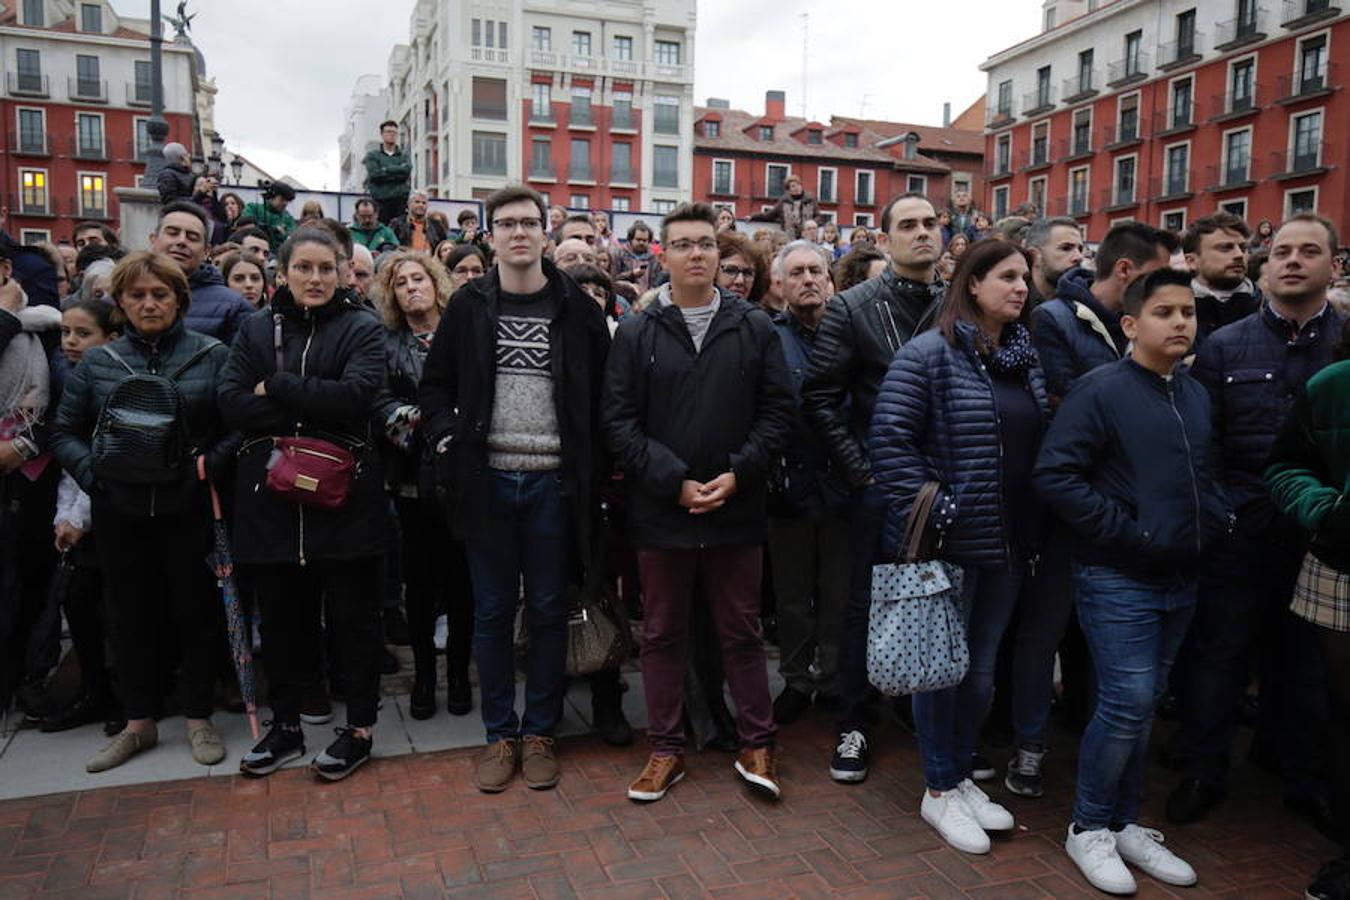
(932, 138)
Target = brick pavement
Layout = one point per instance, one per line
(412, 826)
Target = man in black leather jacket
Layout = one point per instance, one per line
(862, 330)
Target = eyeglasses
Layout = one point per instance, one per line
(734, 272)
(684, 245)
(529, 223)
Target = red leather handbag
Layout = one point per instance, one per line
(310, 471)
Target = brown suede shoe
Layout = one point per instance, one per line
(758, 766)
(659, 775)
(496, 766)
(537, 763)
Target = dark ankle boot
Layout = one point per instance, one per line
(422, 703)
(459, 694)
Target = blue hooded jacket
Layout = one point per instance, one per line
(215, 310)
(1074, 333)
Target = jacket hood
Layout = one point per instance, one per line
(1076, 285)
(206, 274)
(344, 300)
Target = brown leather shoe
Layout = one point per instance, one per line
(537, 762)
(659, 775)
(758, 766)
(496, 766)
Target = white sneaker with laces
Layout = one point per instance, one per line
(952, 819)
(989, 814)
(1095, 854)
(1143, 848)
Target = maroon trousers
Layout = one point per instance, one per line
(729, 577)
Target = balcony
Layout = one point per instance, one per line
(1127, 70)
(1308, 85)
(581, 116)
(580, 170)
(88, 149)
(623, 119)
(489, 55)
(670, 178)
(1074, 148)
(1298, 13)
(1299, 162)
(624, 68)
(1076, 204)
(88, 90)
(1036, 102)
(1230, 106)
(1176, 54)
(543, 170)
(623, 175)
(1080, 87)
(138, 93)
(28, 144)
(1167, 123)
(1118, 137)
(1118, 198)
(668, 71)
(25, 207)
(1236, 33)
(1231, 177)
(999, 116)
(1037, 158)
(25, 84)
(543, 113)
(1175, 187)
(998, 169)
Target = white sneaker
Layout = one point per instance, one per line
(989, 814)
(1094, 852)
(1143, 847)
(442, 633)
(952, 819)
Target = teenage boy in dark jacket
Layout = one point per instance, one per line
(510, 400)
(697, 405)
(1253, 369)
(1125, 466)
(861, 331)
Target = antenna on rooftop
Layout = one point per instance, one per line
(806, 36)
(862, 106)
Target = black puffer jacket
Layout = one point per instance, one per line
(673, 413)
(87, 389)
(1253, 369)
(404, 361)
(855, 343)
(333, 371)
(1074, 333)
(936, 419)
(215, 309)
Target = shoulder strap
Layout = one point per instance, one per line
(192, 361)
(276, 342)
(916, 525)
(119, 360)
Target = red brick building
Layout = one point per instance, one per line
(1167, 111)
(852, 166)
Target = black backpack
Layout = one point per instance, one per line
(141, 436)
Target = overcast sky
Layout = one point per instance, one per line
(285, 68)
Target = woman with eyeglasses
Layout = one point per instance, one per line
(463, 264)
(741, 268)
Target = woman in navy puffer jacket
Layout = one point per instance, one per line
(965, 406)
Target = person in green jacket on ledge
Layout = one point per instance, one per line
(270, 215)
(367, 229)
(388, 174)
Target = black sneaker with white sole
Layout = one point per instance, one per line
(280, 745)
(1024, 771)
(849, 763)
(343, 756)
(981, 769)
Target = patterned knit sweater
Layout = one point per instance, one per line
(524, 435)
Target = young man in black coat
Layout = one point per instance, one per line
(510, 400)
(697, 406)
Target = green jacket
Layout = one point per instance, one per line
(387, 175)
(373, 238)
(1309, 470)
(278, 225)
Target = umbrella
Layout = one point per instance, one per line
(241, 644)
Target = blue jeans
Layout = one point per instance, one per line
(527, 533)
(1133, 629)
(948, 721)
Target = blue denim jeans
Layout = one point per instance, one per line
(1133, 629)
(948, 721)
(527, 535)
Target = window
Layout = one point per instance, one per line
(828, 190)
(541, 157)
(1174, 220)
(489, 98)
(850, 140)
(33, 190)
(815, 136)
(766, 132)
(1241, 84)
(476, 32)
(623, 47)
(862, 220)
(142, 138)
(1085, 71)
(1181, 104)
(723, 172)
(541, 38)
(489, 153)
(712, 129)
(581, 106)
(1307, 130)
(961, 182)
(665, 166)
(33, 13)
(1000, 202)
(142, 88)
(32, 131)
(1040, 143)
(1078, 191)
(1236, 207)
(91, 18)
(1003, 155)
(89, 135)
(623, 110)
(1246, 26)
(30, 236)
(579, 201)
(1133, 60)
(1042, 86)
(1300, 201)
(619, 204)
(93, 198)
(1185, 34)
(667, 53)
(1048, 20)
(87, 82)
(1082, 131)
(666, 114)
(580, 167)
(863, 193)
(622, 165)
(1237, 156)
(663, 207)
(541, 106)
(917, 184)
(29, 68)
(1128, 127)
(581, 43)
(501, 35)
(1004, 108)
(1178, 161)
(1125, 180)
(1312, 65)
(774, 176)
(1036, 193)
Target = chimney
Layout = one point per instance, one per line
(946, 115)
(775, 105)
(718, 103)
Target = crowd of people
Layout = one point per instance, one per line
(1132, 455)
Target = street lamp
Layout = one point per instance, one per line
(213, 163)
(156, 128)
(237, 167)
